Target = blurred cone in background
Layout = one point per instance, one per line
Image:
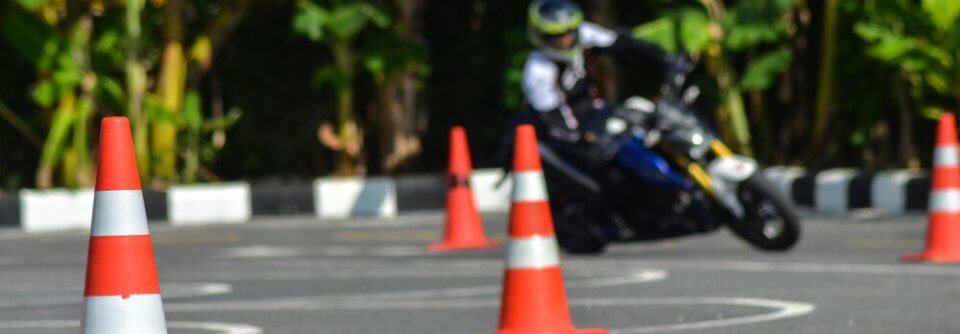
(943, 226)
(534, 300)
(122, 293)
(464, 228)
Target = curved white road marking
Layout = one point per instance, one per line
(324, 302)
(211, 327)
(782, 309)
(786, 309)
(216, 327)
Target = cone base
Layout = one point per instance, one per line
(448, 245)
(554, 331)
(932, 257)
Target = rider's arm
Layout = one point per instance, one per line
(599, 38)
(546, 99)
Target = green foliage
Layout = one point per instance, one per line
(661, 32)
(31, 38)
(923, 41)
(686, 26)
(517, 51)
(752, 23)
(310, 20)
(196, 151)
(943, 13)
(723, 38)
(762, 71)
(33, 4)
(386, 55)
(340, 21)
(38, 43)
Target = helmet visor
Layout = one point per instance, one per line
(562, 41)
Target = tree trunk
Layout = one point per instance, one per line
(347, 130)
(795, 90)
(399, 127)
(731, 117)
(205, 47)
(604, 13)
(171, 88)
(53, 151)
(823, 110)
(906, 154)
(137, 88)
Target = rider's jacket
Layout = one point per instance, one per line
(561, 92)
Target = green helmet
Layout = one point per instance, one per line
(549, 21)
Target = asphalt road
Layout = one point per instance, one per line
(375, 276)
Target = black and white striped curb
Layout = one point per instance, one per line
(842, 190)
(232, 203)
(829, 191)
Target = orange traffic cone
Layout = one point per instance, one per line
(943, 223)
(534, 300)
(122, 294)
(464, 228)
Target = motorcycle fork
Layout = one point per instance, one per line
(696, 171)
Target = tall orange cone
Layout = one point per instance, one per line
(122, 293)
(943, 222)
(464, 228)
(534, 300)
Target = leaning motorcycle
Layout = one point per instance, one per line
(678, 179)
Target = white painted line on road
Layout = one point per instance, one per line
(366, 301)
(216, 327)
(169, 291)
(212, 327)
(640, 277)
(796, 267)
(785, 309)
(399, 251)
(259, 251)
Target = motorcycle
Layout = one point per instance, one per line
(676, 178)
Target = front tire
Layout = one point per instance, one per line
(770, 223)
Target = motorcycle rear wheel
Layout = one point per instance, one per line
(576, 231)
(770, 223)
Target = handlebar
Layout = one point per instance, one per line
(675, 78)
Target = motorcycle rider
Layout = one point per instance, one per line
(557, 84)
(560, 93)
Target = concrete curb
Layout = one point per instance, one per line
(829, 191)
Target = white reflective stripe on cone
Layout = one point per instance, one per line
(532, 253)
(119, 212)
(945, 155)
(140, 314)
(529, 187)
(945, 201)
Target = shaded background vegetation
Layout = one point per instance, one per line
(268, 89)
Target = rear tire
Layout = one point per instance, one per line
(770, 222)
(576, 233)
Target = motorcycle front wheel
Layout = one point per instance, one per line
(770, 222)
